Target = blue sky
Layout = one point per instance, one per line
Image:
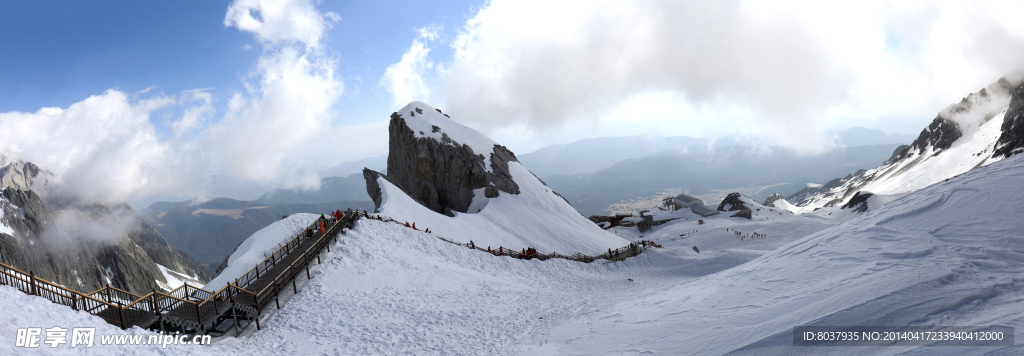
(140, 101)
(59, 53)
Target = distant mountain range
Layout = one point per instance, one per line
(332, 189)
(379, 163)
(712, 174)
(591, 155)
(210, 230)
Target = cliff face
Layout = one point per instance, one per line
(770, 201)
(1011, 141)
(442, 175)
(81, 246)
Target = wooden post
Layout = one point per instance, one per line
(32, 277)
(108, 293)
(156, 307)
(257, 271)
(294, 288)
(234, 315)
(120, 310)
(307, 270)
(199, 317)
(257, 319)
(318, 258)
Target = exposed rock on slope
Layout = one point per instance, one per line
(772, 199)
(1011, 141)
(859, 202)
(732, 202)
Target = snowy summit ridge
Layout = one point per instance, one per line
(464, 186)
(982, 128)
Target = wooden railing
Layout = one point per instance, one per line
(198, 310)
(613, 255)
(187, 307)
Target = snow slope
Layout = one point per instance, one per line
(257, 247)
(175, 279)
(979, 117)
(949, 254)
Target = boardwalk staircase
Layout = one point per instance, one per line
(193, 310)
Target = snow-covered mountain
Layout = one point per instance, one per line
(462, 185)
(948, 254)
(983, 128)
(82, 245)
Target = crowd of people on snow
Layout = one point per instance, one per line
(747, 236)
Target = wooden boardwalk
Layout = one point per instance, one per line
(193, 310)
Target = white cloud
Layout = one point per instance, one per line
(102, 149)
(275, 122)
(786, 70)
(277, 21)
(194, 115)
(405, 80)
(106, 149)
(261, 134)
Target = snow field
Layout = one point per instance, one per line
(950, 254)
(387, 289)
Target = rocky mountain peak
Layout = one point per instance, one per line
(732, 202)
(939, 135)
(427, 161)
(772, 199)
(19, 175)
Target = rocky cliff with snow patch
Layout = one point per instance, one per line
(464, 186)
(437, 170)
(79, 245)
(980, 129)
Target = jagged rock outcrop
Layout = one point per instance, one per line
(859, 202)
(82, 246)
(372, 188)
(732, 202)
(897, 154)
(939, 135)
(19, 175)
(772, 199)
(440, 175)
(743, 213)
(1011, 140)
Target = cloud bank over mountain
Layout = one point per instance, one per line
(106, 148)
